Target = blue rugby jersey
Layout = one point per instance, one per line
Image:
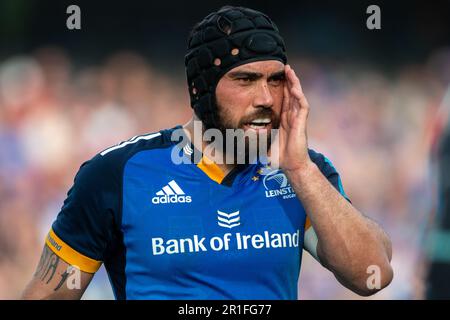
(183, 231)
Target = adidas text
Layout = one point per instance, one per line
(171, 199)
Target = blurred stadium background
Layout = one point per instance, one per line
(377, 102)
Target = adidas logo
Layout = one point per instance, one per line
(171, 193)
(229, 220)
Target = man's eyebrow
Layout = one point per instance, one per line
(278, 74)
(245, 74)
(255, 75)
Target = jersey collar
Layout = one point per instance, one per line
(208, 166)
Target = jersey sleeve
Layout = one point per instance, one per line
(330, 172)
(84, 228)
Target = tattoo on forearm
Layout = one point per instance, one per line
(47, 265)
(44, 257)
(63, 279)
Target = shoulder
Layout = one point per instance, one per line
(109, 163)
(91, 213)
(126, 149)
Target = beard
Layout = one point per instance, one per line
(245, 148)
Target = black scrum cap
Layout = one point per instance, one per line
(222, 41)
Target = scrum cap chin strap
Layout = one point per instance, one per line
(222, 41)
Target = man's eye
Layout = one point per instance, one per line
(276, 81)
(245, 80)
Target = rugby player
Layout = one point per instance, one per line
(438, 228)
(208, 229)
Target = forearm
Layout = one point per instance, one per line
(348, 242)
(55, 279)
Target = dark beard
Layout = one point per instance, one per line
(223, 122)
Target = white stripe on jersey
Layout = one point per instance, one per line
(132, 140)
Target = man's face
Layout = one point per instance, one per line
(250, 96)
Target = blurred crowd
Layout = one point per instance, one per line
(374, 125)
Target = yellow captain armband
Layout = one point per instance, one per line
(71, 256)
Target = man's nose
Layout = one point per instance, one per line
(263, 96)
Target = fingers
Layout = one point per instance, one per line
(295, 87)
(286, 99)
(285, 106)
(293, 82)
